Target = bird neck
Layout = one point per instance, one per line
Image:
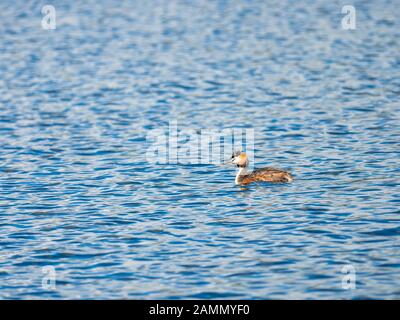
(241, 172)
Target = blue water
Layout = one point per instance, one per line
(77, 193)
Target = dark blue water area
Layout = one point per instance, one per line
(78, 194)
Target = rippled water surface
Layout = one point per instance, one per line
(76, 190)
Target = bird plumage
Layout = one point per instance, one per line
(267, 175)
(263, 174)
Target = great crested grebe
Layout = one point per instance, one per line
(264, 174)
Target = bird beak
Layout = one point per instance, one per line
(230, 161)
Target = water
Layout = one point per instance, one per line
(76, 191)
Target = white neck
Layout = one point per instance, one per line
(242, 171)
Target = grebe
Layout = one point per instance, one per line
(263, 174)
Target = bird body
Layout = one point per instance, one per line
(263, 174)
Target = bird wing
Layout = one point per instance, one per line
(267, 174)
